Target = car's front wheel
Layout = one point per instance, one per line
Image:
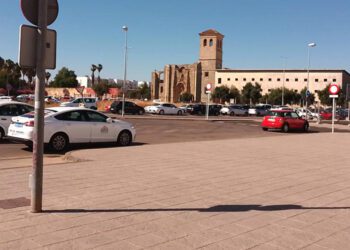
(2, 134)
(306, 127)
(124, 138)
(161, 112)
(265, 129)
(141, 112)
(232, 113)
(59, 142)
(285, 128)
(179, 112)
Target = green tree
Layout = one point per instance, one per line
(101, 89)
(235, 94)
(221, 93)
(323, 95)
(251, 93)
(274, 96)
(186, 97)
(65, 78)
(311, 98)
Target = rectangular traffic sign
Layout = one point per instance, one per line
(333, 96)
(27, 47)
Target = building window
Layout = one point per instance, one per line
(219, 80)
(253, 79)
(236, 79)
(325, 80)
(228, 79)
(278, 79)
(287, 80)
(305, 79)
(206, 74)
(244, 79)
(261, 79)
(205, 42)
(316, 80)
(296, 79)
(211, 42)
(161, 89)
(334, 80)
(270, 79)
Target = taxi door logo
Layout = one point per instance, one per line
(104, 130)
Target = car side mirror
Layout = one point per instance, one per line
(109, 120)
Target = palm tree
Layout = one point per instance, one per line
(47, 77)
(30, 73)
(2, 61)
(93, 69)
(99, 68)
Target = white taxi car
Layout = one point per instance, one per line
(9, 109)
(65, 125)
(164, 109)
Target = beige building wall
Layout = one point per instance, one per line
(269, 79)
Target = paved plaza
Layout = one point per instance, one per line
(281, 192)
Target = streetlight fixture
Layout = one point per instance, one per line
(125, 29)
(284, 77)
(307, 93)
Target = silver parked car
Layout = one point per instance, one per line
(235, 109)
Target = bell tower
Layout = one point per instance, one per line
(210, 57)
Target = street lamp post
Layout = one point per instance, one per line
(310, 45)
(125, 28)
(284, 78)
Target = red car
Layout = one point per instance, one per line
(325, 115)
(284, 120)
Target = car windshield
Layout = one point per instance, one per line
(273, 113)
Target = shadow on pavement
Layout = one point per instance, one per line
(218, 208)
(79, 146)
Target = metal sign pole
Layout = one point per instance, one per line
(38, 135)
(333, 115)
(207, 109)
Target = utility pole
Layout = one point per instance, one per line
(38, 135)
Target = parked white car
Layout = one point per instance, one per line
(164, 109)
(5, 98)
(302, 113)
(9, 109)
(64, 125)
(260, 110)
(87, 102)
(234, 110)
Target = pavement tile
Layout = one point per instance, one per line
(122, 245)
(216, 203)
(339, 240)
(6, 236)
(19, 244)
(147, 240)
(238, 242)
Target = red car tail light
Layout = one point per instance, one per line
(29, 124)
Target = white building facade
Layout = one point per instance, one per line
(291, 79)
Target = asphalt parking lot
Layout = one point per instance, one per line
(172, 129)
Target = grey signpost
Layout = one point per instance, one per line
(40, 13)
(208, 91)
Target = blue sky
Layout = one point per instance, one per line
(258, 33)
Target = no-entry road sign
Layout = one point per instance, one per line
(333, 89)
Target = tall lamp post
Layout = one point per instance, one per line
(284, 77)
(310, 45)
(125, 29)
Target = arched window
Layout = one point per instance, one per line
(211, 42)
(205, 42)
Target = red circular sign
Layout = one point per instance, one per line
(208, 86)
(333, 89)
(30, 10)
